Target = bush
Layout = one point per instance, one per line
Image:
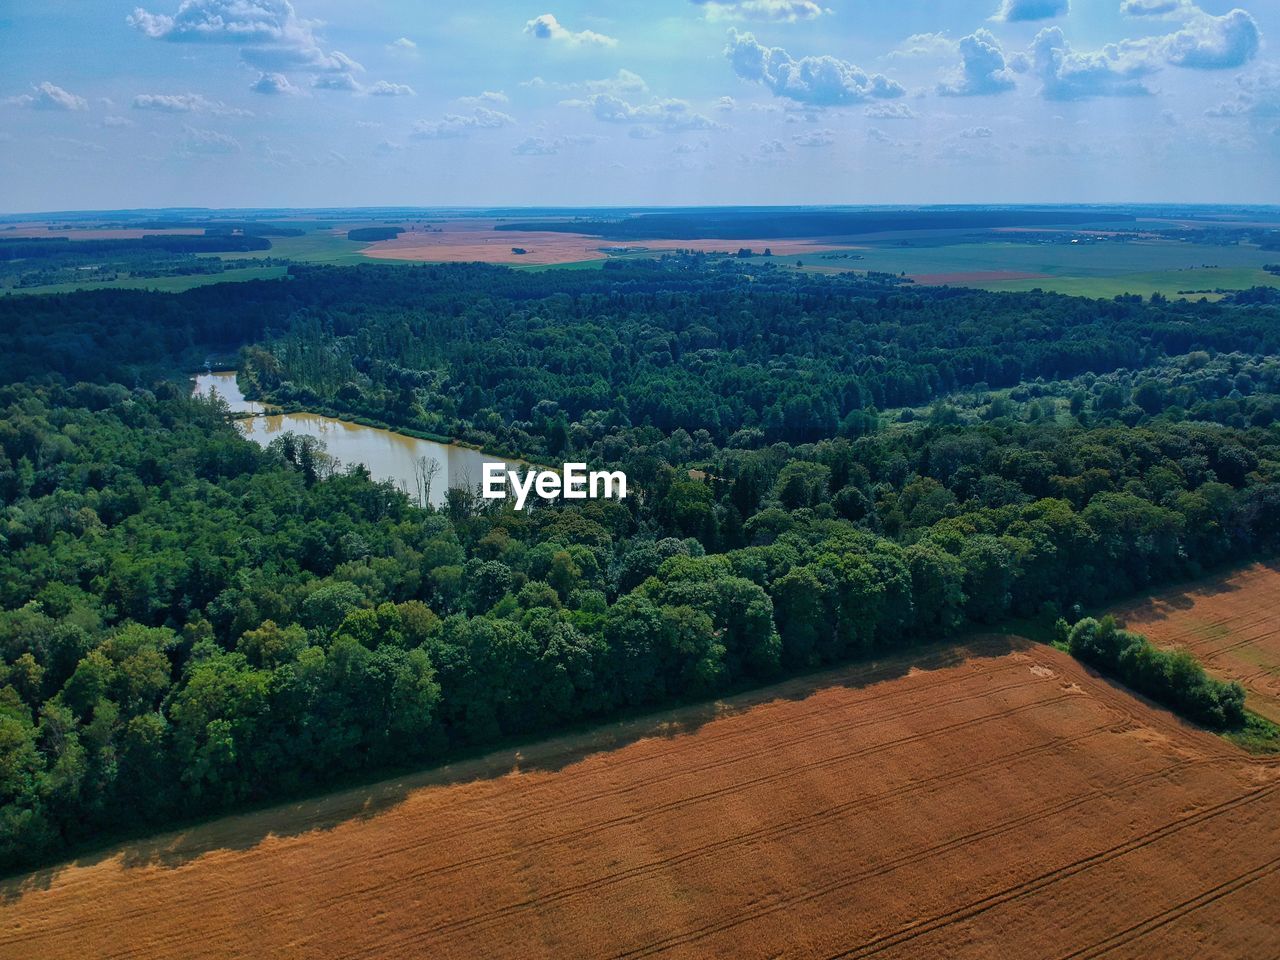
(1173, 678)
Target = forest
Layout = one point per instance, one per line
(825, 469)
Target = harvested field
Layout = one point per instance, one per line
(988, 801)
(462, 241)
(1231, 623)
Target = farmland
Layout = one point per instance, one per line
(1231, 623)
(993, 799)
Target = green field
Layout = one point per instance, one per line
(163, 284)
(316, 246)
(1091, 270)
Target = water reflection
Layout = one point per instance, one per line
(411, 464)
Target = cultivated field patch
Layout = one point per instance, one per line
(996, 800)
(1230, 622)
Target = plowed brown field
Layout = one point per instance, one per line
(992, 801)
(462, 241)
(1231, 623)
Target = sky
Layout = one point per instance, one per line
(304, 103)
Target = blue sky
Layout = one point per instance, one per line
(320, 102)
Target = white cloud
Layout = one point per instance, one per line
(982, 68)
(1204, 42)
(488, 96)
(623, 82)
(269, 33)
(272, 84)
(670, 114)
(1155, 8)
(49, 96)
(1115, 71)
(185, 103)
(1214, 43)
(726, 104)
(460, 125)
(545, 147)
(336, 81)
(403, 44)
(1256, 95)
(819, 81)
(384, 88)
(787, 11)
(814, 138)
(925, 45)
(1014, 11)
(114, 121)
(547, 27)
(207, 143)
(895, 110)
(977, 133)
(535, 147)
(686, 148)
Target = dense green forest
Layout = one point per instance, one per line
(823, 469)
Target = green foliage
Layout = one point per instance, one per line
(1171, 677)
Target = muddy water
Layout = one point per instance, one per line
(388, 456)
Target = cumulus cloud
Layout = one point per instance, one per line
(925, 45)
(1015, 11)
(624, 81)
(185, 103)
(336, 81)
(818, 81)
(982, 68)
(670, 114)
(1155, 8)
(1256, 95)
(208, 143)
(49, 96)
(1115, 71)
(726, 104)
(787, 11)
(687, 149)
(814, 138)
(273, 84)
(895, 110)
(269, 33)
(547, 27)
(461, 125)
(545, 147)
(977, 133)
(384, 88)
(1214, 43)
(535, 147)
(1204, 42)
(488, 96)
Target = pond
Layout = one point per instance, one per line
(388, 455)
